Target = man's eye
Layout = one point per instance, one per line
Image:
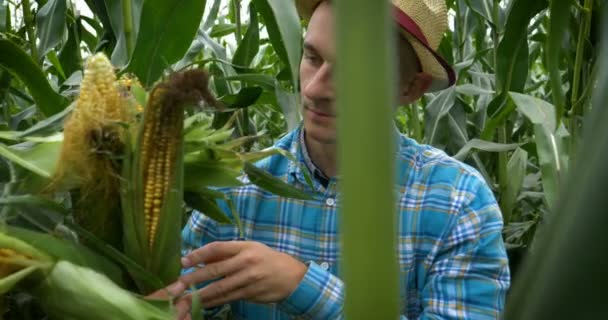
(313, 59)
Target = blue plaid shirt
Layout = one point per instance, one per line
(451, 253)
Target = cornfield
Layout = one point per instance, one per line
(118, 118)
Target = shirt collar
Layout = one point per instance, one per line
(304, 169)
(317, 173)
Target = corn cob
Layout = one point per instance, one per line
(9, 261)
(93, 144)
(162, 136)
(91, 135)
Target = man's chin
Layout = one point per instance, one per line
(321, 135)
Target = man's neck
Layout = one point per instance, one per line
(323, 155)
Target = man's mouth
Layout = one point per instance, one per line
(319, 113)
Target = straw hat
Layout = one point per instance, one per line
(423, 23)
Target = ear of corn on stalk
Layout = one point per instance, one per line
(153, 184)
(94, 140)
(70, 291)
(18, 260)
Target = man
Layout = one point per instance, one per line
(451, 253)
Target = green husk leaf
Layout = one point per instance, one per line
(22, 246)
(272, 184)
(40, 158)
(206, 206)
(97, 297)
(62, 249)
(7, 283)
(210, 173)
(131, 198)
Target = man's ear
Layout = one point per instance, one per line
(415, 88)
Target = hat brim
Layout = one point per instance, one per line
(431, 62)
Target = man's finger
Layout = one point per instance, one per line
(228, 288)
(212, 271)
(168, 292)
(182, 306)
(214, 251)
(244, 292)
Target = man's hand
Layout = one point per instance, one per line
(249, 270)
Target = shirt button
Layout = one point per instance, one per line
(330, 202)
(325, 265)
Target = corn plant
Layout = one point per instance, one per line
(120, 142)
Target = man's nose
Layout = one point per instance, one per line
(321, 85)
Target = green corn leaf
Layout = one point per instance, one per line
(513, 51)
(538, 111)
(3, 17)
(517, 169)
(222, 29)
(34, 201)
(115, 13)
(551, 163)
(255, 156)
(209, 173)
(21, 65)
(265, 81)
(49, 125)
(50, 25)
(167, 30)
(7, 283)
(212, 15)
(131, 200)
(484, 146)
(285, 32)
(558, 26)
(250, 45)
(69, 56)
(436, 110)
(245, 98)
(569, 255)
(98, 297)
(39, 158)
(484, 8)
(288, 102)
(22, 246)
(52, 56)
(64, 249)
(206, 206)
(272, 184)
(138, 272)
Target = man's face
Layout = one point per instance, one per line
(316, 77)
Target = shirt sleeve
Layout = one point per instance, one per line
(320, 295)
(469, 277)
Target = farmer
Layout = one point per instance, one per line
(452, 257)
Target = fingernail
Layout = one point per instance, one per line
(186, 262)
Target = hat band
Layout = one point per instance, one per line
(410, 25)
